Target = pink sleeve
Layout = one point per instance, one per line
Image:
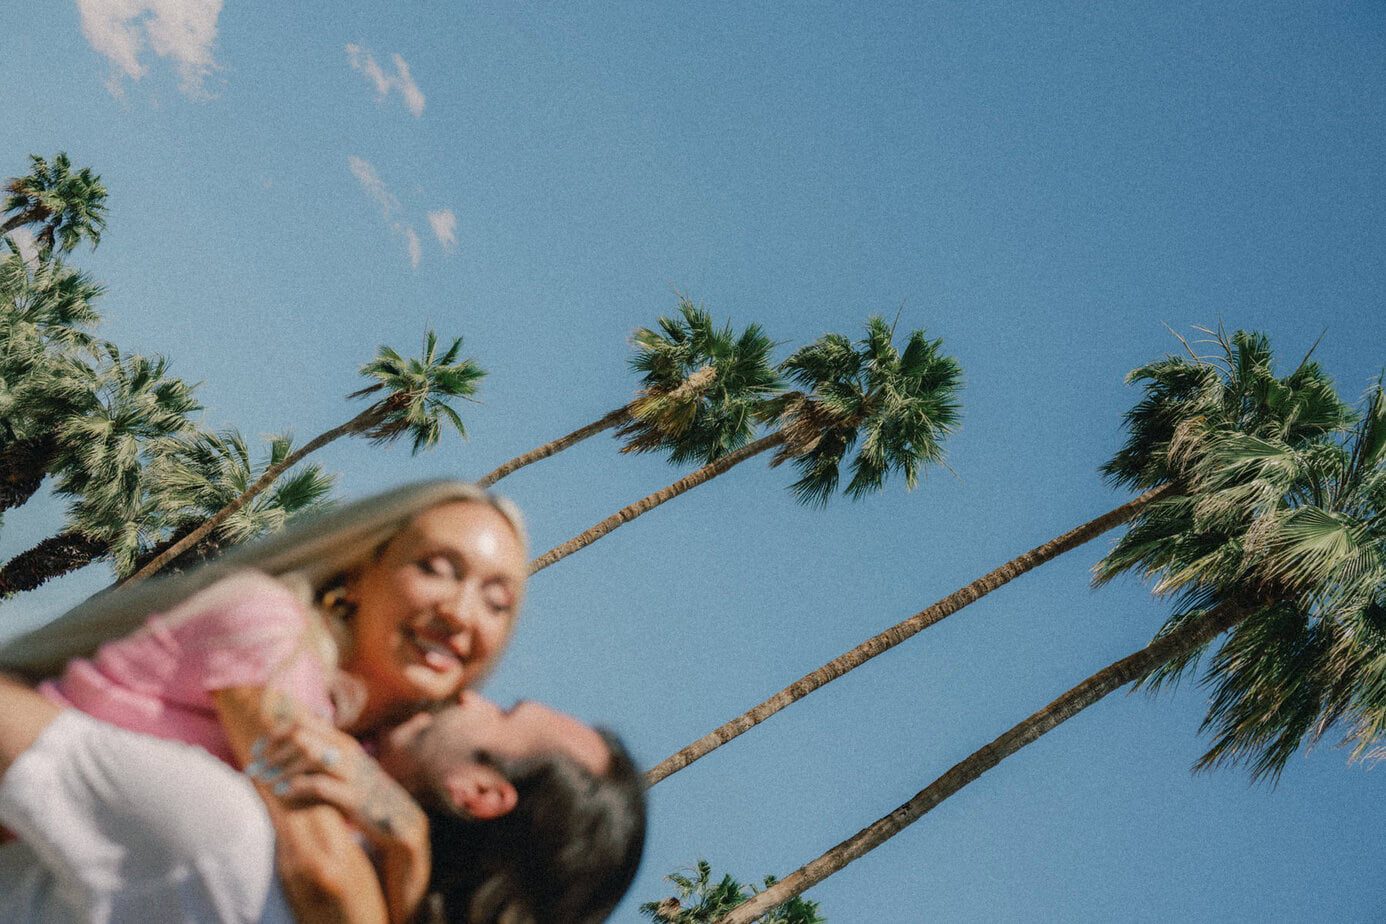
(252, 632)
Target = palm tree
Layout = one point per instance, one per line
(70, 418)
(43, 379)
(108, 525)
(1184, 401)
(204, 474)
(1299, 531)
(33, 404)
(1282, 545)
(63, 205)
(899, 403)
(177, 491)
(49, 300)
(416, 404)
(135, 413)
(692, 375)
(702, 387)
(702, 901)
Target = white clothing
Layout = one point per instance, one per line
(118, 827)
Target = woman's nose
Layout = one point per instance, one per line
(459, 608)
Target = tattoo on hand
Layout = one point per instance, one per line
(385, 806)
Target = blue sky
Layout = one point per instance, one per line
(1043, 186)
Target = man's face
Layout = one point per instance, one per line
(436, 744)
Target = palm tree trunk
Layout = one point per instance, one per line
(204, 550)
(901, 631)
(14, 221)
(23, 466)
(53, 557)
(362, 421)
(618, 416)
(1114, 676)
(651, 501)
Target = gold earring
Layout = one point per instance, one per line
(335, 602)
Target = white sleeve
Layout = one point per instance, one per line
(134, 828)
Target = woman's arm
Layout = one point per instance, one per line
(311, 762)
(326, 874)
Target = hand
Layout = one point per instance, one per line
(306, 761)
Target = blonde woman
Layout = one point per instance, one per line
(359, 616)
(409, 595)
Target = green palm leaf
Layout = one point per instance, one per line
(1293, 534)
(895, 408)
(64, 206)
(418, 392)
(701, 387)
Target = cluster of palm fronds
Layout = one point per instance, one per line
(701, 900)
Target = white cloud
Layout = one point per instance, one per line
(374, 186)
(362, 60)
(181, 30)
(389, 206)
(444, 225)
(413, 96)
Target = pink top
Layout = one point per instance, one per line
(245, 630)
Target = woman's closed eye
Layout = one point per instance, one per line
(500, 599)
(439, 566)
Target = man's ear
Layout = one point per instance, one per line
(480, 791)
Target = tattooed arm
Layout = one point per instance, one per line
(326, 874)
(309, 762)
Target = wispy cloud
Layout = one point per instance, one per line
(182, 31)
(444, 225)
(389, 206)
(374, 186)
(402, 80)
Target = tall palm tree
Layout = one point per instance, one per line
(64, 206)
(690, 371)
(1299, 531)
(415, 404)
(1284, 547)
(899, 403)
(700, 900)
(1233, 389)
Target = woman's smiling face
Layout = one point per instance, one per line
(434, 608)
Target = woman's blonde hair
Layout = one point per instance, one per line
(308, 556)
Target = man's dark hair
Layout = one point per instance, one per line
(565, 854)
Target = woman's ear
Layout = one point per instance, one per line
(480, 791)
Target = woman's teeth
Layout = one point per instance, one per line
(435, 654)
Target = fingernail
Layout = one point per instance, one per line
(255, 767)
(257, 749)
(281, 788)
